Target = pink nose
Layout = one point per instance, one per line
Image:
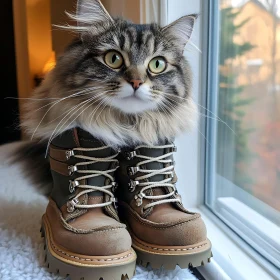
(136, 83)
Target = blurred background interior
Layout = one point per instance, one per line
(249, 69)
(246, 96)
(30, 46)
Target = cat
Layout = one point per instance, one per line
(91, 88)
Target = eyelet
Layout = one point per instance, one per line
(174, 149)
(130, 155)
(114, 186)
(132, 185)
(69, 154)
(72, 169)
(73, 185)
(133, 170)
(114, 200)
(139, 199)
(71, 205)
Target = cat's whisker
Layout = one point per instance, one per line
(209, 117)
(61, 99)
(186, 106)
(186, 98)
(36, 99)
(56, 102)
(95, 110)
(193, 45)
(91, 103)
(93, 99)
(58, 128)
(197, 129)
(81, 93)
(71, 109)
(104, 106)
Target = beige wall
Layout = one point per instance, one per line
(32, 43)
(129, 9)
(61, 38)
(39, 34)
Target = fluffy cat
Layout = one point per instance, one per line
(124, 83)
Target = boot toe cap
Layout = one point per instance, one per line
(91, 238)
(185, 230)
(183, 233)
(99, 243)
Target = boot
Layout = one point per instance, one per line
(84, 237)
(163, 232)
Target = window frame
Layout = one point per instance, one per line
(210, 77)
(260, 239)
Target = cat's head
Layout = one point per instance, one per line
(124, 82)
(137, 67)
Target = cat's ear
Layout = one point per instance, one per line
(88, 13)
(181, 29)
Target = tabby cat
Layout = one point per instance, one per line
(90, 87)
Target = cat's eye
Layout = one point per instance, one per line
(114, 59)
(157, 65)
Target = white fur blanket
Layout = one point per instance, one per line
(21, 247)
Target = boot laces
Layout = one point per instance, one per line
(148, 173)
(74, 202)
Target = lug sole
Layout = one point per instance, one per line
(78, 269)
(169, 257)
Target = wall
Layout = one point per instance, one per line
(61, 38)
(125, 8)
(33, 43)
(39, 35)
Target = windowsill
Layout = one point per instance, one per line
(233, 258)
(261, 233)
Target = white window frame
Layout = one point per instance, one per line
(244, 225)
(233, 257)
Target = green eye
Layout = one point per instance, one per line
(157, 65)
(114, 59)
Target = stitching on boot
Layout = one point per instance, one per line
(75, 230)
(95, 198)
(70, 228)
(171, 249)
(157, 227)
(83, 259)
(78, 212)
(88, 140)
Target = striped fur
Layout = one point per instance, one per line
(83, 91)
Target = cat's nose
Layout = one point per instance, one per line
(136, 83)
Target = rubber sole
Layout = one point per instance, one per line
(119, 267)
(169, 257)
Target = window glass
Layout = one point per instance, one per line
(246, 173)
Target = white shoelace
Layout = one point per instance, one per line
(74, 203)
(165, 198)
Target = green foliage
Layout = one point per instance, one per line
(231, 100)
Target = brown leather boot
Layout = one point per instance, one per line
(83, 234)
(163, 232)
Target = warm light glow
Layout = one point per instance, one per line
(50, 64)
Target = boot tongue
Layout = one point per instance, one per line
(156, 152)
(152, 153)
(88, 141)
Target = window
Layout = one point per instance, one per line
(242, 133)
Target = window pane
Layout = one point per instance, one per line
(247, 155)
